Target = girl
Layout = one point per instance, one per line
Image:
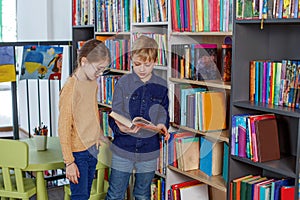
(78, 127)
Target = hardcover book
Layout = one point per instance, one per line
(211, 153)
(267, 140)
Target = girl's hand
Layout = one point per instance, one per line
(125, 129)
(164, 131)
(72, 173)
(102, 139)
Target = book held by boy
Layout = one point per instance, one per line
(137, 121)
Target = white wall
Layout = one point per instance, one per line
(44, 20)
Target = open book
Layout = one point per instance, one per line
(137, 121)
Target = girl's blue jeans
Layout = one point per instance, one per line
(86, 162)
(121, 171)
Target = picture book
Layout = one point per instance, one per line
(7, 64)
(41, 62)
(137, 121)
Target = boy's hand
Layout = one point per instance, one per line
(125, 129)
(164, 131)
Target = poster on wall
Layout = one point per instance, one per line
(42, 62)
(7, 64)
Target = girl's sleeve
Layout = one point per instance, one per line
(65, 122)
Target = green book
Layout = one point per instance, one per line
(243, 192)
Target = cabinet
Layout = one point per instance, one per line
(142, 21)
(277, 40)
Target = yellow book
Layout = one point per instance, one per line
(200, 14)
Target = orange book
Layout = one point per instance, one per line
(213, 110)
(252, 81)
(236, 187)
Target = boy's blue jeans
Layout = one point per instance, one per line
(121, 171)
(86, 162)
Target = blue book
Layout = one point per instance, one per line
(211, 152)
(183, 107)
(276, 186)
(225, 162)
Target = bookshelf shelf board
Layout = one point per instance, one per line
(83, 26)
(284, 166)
(214, 181)
(202, 33)
(287, 111)
(160, 174)
(112, 33)
(150, 24)
(267, 21)
(222, 135)
(210, 83)
(104, 104)
(160, 67)
(120, 71)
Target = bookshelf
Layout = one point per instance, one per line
(275, 40)
(163, 25)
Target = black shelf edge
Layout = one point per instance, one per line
(281, 110)
(285, 166)
(268, 21)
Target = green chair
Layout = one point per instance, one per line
(100, 185)
(13, 159)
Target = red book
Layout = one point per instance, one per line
(287, 193)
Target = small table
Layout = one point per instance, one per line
(39, 161)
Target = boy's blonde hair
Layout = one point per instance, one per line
(145, 49)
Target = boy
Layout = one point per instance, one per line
(143, 94)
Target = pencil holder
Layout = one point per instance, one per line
(40, 142)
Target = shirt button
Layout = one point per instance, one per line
(143, 100)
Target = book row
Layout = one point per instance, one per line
(187, 152)
(275, 82)
(150, 11)
(197, 108)
(255, 137)
(263, 9)
(262, 188)
(83, 12)
(119, 49)
(201, 15)
(201, 62)
(112, 15)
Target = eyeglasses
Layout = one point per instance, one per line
(99, 71)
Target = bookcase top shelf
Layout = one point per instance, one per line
(287, 111)
(112, 33)
(268, 21)
(209, 83)
(284, 166)
(150, 24)
(215, 181)
(203, 33)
